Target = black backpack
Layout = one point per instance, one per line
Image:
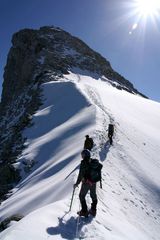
(95, 168)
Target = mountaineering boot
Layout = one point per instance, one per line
(92, 212)
(83, 213)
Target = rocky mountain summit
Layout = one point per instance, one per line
(35, 54)
(39, 56)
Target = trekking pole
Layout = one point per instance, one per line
(72, 199)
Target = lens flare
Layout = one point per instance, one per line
(134, 26)
(144, 12)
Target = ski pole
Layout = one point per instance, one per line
(72, 199)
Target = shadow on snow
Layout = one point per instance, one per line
(70, 228)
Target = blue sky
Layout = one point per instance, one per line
(111, 27)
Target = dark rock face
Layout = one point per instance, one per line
(38, 56)
(15, 116)
(38, 52)
(4, 224)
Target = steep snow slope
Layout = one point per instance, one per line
(54, 143)
(128, 206)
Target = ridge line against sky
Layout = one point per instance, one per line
(125, 32)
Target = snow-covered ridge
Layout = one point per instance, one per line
(36, 57)
(128, 206)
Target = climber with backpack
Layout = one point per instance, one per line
(88, 143)
(89, 175)
(110, 133)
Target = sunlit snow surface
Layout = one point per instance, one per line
(128, 204)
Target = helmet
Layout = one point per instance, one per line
(87, 136)
(85, 153)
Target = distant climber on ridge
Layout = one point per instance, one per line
(110, 133)
(88, 144)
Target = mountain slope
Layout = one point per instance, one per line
(37, 57)
(128, 206)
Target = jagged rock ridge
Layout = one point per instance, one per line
(37, 52)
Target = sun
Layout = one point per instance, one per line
(147, 8)
(142, 16)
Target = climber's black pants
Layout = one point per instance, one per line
(84, 190)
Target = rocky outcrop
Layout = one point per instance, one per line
(37, 56)
(36, 53)
(6, 222)
(15, 116)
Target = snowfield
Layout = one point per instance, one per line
(128, 203)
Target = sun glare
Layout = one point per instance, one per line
(143, 11)
(148, 7)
